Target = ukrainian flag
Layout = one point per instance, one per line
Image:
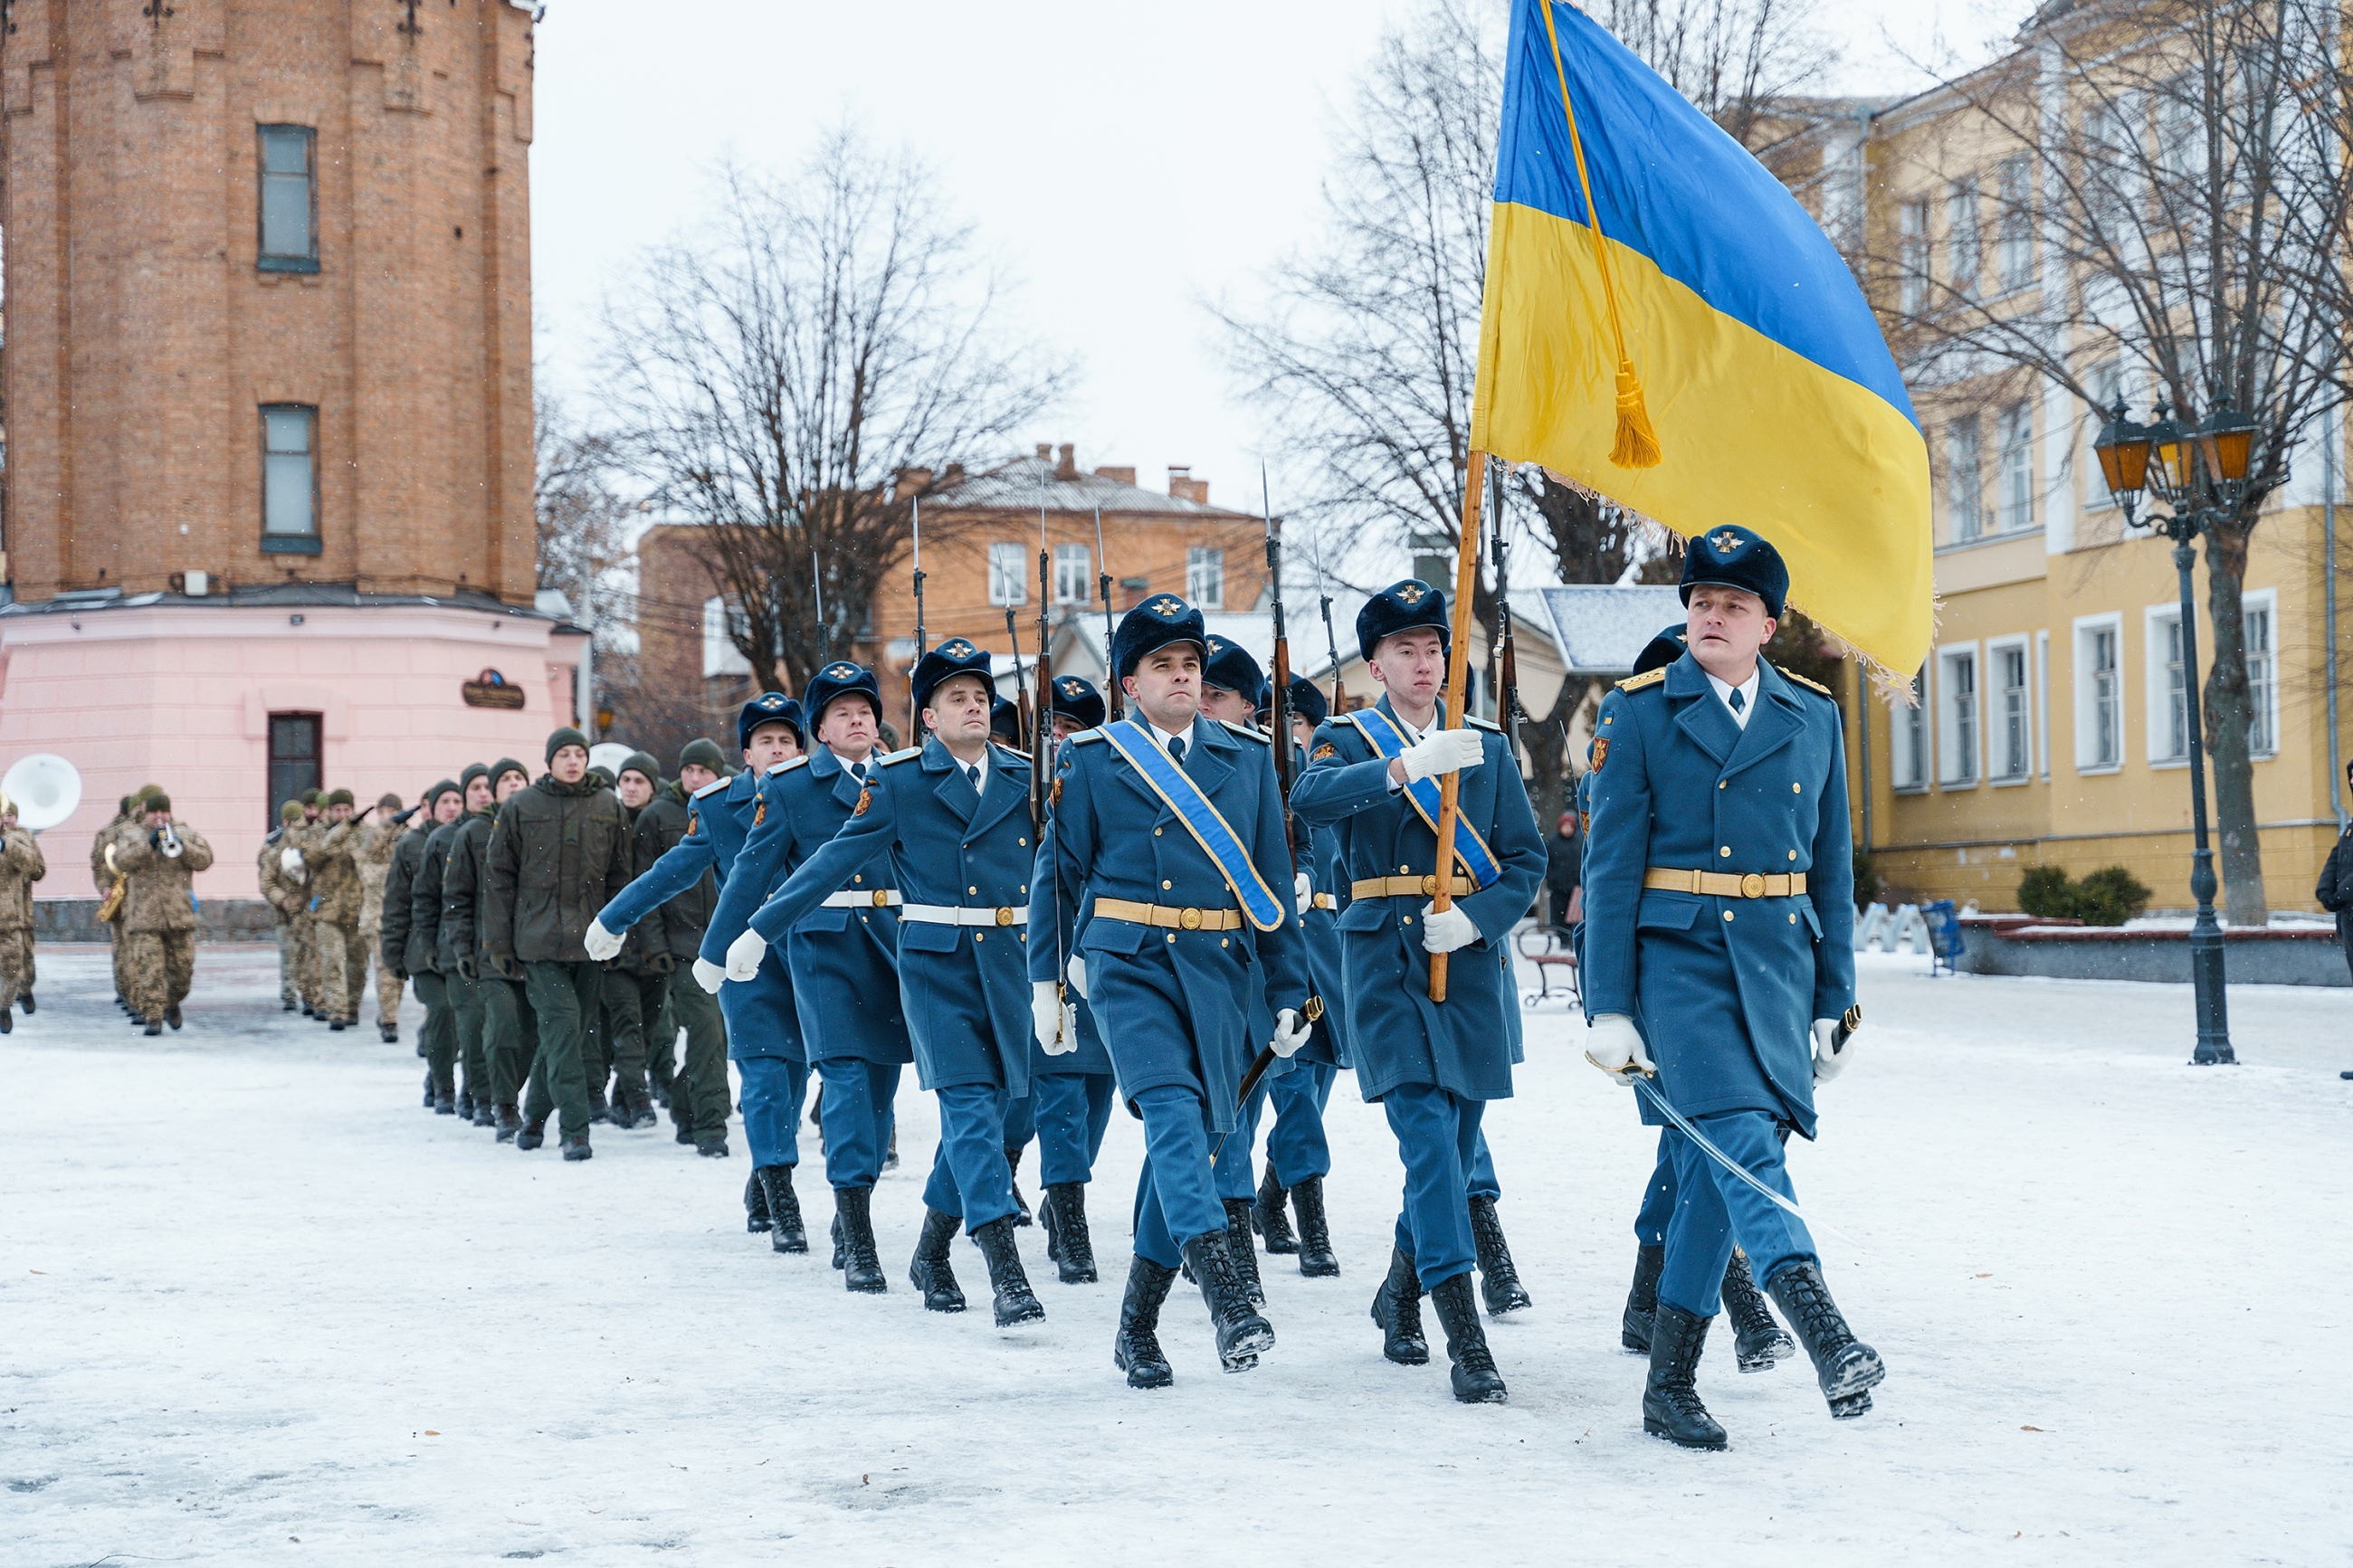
(1710, 301)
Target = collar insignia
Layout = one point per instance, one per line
(1725, 542)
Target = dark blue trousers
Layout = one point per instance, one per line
(1070, 1111)
(1484, 1183)
(1659, 1197)
(855, 1116)
(970, 1178)
(1175, 1196)
(1714, 1209)
(1021, 1118)
(1437, 1138)
(1235, 1178)
(1295, 1145)
(773, 1088)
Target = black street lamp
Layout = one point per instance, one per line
(2200, 471)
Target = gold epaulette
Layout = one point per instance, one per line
(1648, 677)
(1809, 684)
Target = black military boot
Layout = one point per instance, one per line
(482, 1115)
(465, 1105)
(172, 1014)
(1009, 1281)
(443, 1105)
(1396, 1307)
(509, 1123)
(1315, 1257)
(155, 1026)
(686, 1133)
(1267, 1216)
(1242, 1246)
(836, 1236)
(861, 1270)
(26, 1001)
(1063, 1211)
(1474, 1374)
(532, 1133)
(1642, 1299)
(1499, 1282)
(755, 1205)
(575, 1146)
(782, 1209)
(1757, 1341)
(711, 1148)
(1136, 1350)
(1671, 1406)
(1013, 1170)
(597, 1110)
(932, 1274)
(1845, 1366)
(388, 1033)
(1242, 1335)
(334, 1026)
(428, 1089)
(8, 1021)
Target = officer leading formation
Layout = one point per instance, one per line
(1157, 925)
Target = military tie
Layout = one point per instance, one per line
(1177, 749)
(972, 772)
(1736, 702)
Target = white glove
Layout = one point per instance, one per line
(1077, 971)
(1303, 892)
(1830, 1060)
(1443, 751)
(601, 943)
(1443, 930)
(1290, 1032)
(708, 976)
(1056, 1026)
(744, 955)
(289, 860)
(1613, 1043)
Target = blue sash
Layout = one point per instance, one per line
(1217, 839)
(1469, 849)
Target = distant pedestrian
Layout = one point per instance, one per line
(1563, 872)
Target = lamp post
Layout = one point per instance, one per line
(2200, 471)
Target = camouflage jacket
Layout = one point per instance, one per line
(21, 866)
(163, 893)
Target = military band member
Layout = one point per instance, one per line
(278, 868)
(378, 843)
(159, 915)
(510, 1036)
(1719, 927)
(843, 954)
(1165, 881)
(1298, 1155)
(947, 823)
(1373, 778)
(331, 845)
(21, 866)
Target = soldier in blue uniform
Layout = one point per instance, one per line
(1373, 777)
(1718, 934)
(947, 823)
(843, 954)
(764, 1035)
(1298, 1155)
(1164, 876)
(1758, 1343)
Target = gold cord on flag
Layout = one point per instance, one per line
(1637, 445)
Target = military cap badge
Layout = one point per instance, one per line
(1072, 688)
(1410, 591)
(772, 701)
(1725, 542)
(842, 672)
(1165, 607)
(958, 649)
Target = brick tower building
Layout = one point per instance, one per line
(269, 482)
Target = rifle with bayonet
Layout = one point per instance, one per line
(1042, 735)
(914, 711)
(1508, 705)
(1112, 695)
(1331, 643)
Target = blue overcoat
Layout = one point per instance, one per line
(1319, 928)
(843, 961)
(1174, 1005)
(759, 1013)
(965, 989)
(1725, 988)
(1396, 1035)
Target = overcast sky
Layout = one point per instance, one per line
(1123, 163)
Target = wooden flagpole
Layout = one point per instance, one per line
(1466, 584)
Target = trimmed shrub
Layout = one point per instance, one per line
(1867, 881)
(2107, 897)
(2044, 893)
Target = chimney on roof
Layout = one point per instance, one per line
(1066, 465)
(953, 474)
(1182, 486)
(1119, 476)
(1132, 591)
(911, 482)
(1045, 452)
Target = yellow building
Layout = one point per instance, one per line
(2049, 727)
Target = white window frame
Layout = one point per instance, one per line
(1081, 589)
(2043, 701)
(2014, 468)
(1908, 724)
(1205, 576)
(1964, 480)
(2158, 624)
(2014, 248)
(1009, 575)
(1912, 230)
(720, 655)
(2265, 693)
(1960, 734)
(1997, 649)
(2086, 628)
(2107, 380)
(1965, 236)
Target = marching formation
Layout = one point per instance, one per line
(1167, 907)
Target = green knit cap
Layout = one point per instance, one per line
(292, 812)
(702, 752)
(567, 736)
(340, 798)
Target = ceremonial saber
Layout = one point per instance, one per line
(1466, 583)
(1648, 1090)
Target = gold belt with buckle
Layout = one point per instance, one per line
(1403, 887)
(1724, 884)
(1187, 919)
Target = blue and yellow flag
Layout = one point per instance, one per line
(1666, 326)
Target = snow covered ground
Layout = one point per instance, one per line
(257, 1306)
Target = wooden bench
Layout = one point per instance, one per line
(1552, 952)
